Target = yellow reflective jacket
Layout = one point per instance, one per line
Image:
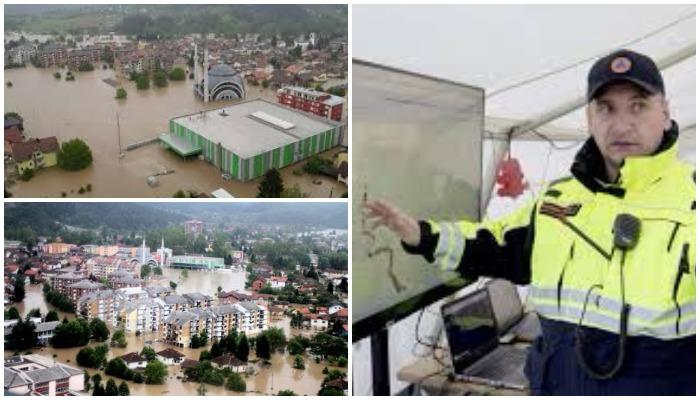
(562, 245)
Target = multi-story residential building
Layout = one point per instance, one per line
(320, 103)
(41, 376)
(57, 248)
(22, 54)
(127, 282)
(44, 330)
(142, 315)
(194, 227)
(103, 267)
(102, 304)
(52, 55)
(60, 282)
(90, 55)
(198, 300)
(174, 302)
(217, 322)
(79, 289)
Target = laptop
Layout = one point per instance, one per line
(513, 324)
(472, 338)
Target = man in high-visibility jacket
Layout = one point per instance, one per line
(609, 253)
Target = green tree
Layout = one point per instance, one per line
(179, 194)
(287, 392)
(99, 391)
(107, 55)
(124, 389)
(57, 75)
(118, 338)
(145, 271)
(236, 383)
(34, 313)
(138, 377)
(160, 78)
(100, 332)
(121, 94)
(111, 388)
(143, 82)
(299, 362)
(22, 336)
(85, 66)
(149, 353)
(19, 293)
(271, 185)
(51, 316)
(329, 289)
(177, 74)
(116, 367)
(330, 391)
(85, 357)
(72, 333)
(157, 271)
(173, 285)
(276, 338)
(74, 155)
(262, 347)
(12, 313)
(242, 349)
(155, 372)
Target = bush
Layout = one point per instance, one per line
(138, 377)
(81, 190)
(121, 94)
(89, 187)
(155, 372)
(74, 155)
(85, 66)
(117, 367)
(27, 174)
(118, 338)
(236, 383)
(160, 78)
(299, 362)
(143, 82)
(57, 75)
(177, 74)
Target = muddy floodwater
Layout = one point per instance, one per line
(86, 108)
(280, 375)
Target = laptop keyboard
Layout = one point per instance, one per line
(504, 364)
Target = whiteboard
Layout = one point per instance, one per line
(416, 142)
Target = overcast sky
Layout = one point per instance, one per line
(495, 46)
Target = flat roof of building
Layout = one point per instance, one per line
(240, 129)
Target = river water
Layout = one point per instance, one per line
(278, 376)
(86, 108)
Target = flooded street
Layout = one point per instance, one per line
(278, 376)
(86, 108)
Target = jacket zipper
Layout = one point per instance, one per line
(561, 276)
(683, 268)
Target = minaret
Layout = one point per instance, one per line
(162, 251)
(206, 74)
(143, 251)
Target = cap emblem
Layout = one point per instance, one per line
(620, 65)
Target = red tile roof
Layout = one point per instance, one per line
(23, 151)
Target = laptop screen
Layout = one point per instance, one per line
(470, 328)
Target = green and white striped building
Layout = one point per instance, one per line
(196, 262)
(246, 139)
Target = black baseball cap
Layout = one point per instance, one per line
(624, 65)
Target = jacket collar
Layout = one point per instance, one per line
(636, 172)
